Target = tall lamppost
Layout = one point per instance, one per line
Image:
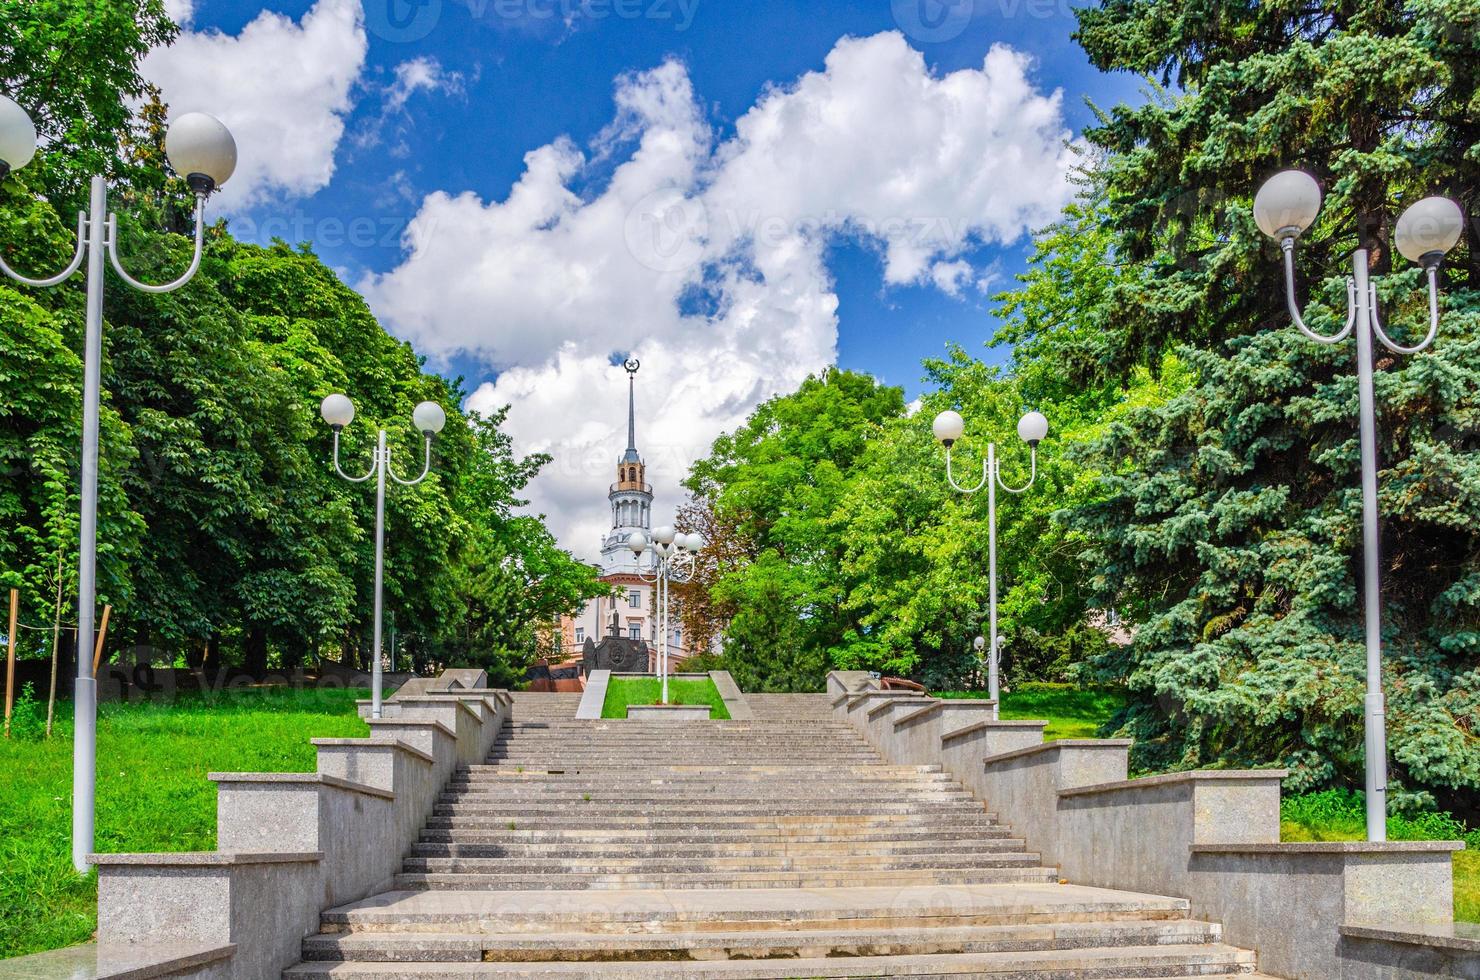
(1284, 208)
(1032, 429)
(429, 419)
(201, 149)
(672, 561)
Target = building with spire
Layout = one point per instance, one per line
(631, 499)
(631, 496)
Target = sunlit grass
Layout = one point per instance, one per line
(625, 691)
(152, 792)
(1071, 712)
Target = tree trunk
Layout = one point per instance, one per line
(254, 652)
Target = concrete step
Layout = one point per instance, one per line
(587, 762)
(716, 793)
(808, 823)
(725, 838)
(1211, 960)
(646, 864)
(654, 911)
(667, 771)
(696, 808)
(710, 946)
(727, 880)
(639, 775)
(716, 849)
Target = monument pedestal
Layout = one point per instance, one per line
(668, 712)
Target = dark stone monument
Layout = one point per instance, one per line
(617, 654)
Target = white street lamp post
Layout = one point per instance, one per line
(1284, 208)
(1032, 429)
(201, 149)
(429, 418)
(672, 561)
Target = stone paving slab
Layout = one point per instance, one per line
(91, 961)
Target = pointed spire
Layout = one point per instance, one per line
(632, 365)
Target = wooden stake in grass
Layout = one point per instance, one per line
(102, 635)
(15, 608)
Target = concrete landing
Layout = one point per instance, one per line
(468, 910)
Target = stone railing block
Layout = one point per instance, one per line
(264, 904)
(430, 737)
(593, 698)
(1022, 785)
(730, 694)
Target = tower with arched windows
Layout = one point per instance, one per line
(631, 496)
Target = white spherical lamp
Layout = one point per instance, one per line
(948, 427)
(17, 137)
(201, 150)
(1287, 204)
(429, 418)
(695, 542)
(637, 542)
(1033, 428)
(337, 410)
(979, 644)
(665, 534)
(1429, 229)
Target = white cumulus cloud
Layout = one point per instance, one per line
(705, 258)
(282, 87)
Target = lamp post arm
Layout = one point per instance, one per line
(986, 475)
(200, 227)
(683, 570)
(340, 470)
(1396, 348)
(1288, 245)
(66, 273)
(425, 469)
(1032, 475)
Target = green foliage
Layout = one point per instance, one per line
(152, 793)
(224, 534)
(1225, 524)
(74, 66)
(622, 692)
(28, 717)
(777, 482)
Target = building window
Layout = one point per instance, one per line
(634, 631)
(678, 638)
(580, 635)
(634, 599)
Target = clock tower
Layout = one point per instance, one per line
(631, 496)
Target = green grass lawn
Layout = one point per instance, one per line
(152, 792)
(624, 691)
(1071, 712)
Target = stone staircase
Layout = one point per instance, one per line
(777, 847)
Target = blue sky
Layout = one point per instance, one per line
(391, 134)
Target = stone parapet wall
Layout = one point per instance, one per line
(1313, 911)
(294, 844)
